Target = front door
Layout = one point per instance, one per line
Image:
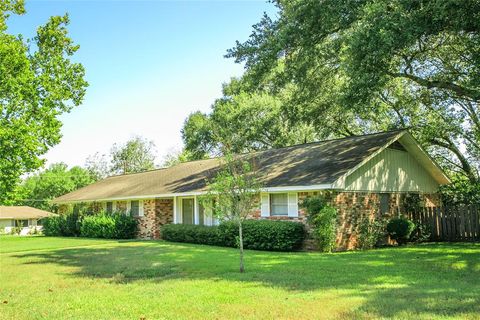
(187, 211)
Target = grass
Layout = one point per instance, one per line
(60, 278)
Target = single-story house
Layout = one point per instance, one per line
(364, 175)
(27, 218)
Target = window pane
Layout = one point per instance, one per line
(134, 207)
(384, 203)
(109, 207)
(279, 204)
(39, 222)
(21, 223)
(187, 211)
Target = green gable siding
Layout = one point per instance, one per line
(391, 170)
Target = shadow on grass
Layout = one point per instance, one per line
(430, 280)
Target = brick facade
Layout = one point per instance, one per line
(351, 207)
(156, 212)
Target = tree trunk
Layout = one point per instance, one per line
(240, 236)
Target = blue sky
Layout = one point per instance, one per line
(149, 65)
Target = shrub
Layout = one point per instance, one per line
(65, 225)
(15, 230)
(265, 235)
(191, 234)
(52, 226)
(370, 232)
(101, 225)
(257, 234)
(420, 233)
(400, 229)
(323, 220)
(109, 226)
(325, 223)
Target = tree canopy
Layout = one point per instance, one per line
(39, 189)
(354, 67)
(243, 121)
(136, 155)
(38, 83)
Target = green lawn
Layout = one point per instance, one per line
(59, 278)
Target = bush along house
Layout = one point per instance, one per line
(367, 175)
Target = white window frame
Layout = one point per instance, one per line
(140, 208)
(292, 204)
(270, 198)
(180, 209)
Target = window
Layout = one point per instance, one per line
(21, 223)
(39, 222)
(109, 207)
(135, 208)
(279, 204)
(384, 203)
(187, 211)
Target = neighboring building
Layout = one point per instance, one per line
(363, 175)
(27, 218)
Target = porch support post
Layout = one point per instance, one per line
(175, 210)
(196, 218)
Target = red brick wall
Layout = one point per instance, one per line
(156, 212)
(351, 207)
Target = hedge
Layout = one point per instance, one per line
(110, 226)
(101, 225)
(66, 225)
(257, 234)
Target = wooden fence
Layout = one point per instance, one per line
(451, 223)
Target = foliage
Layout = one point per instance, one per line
(109, 226)
(80, 222)
(421, 233)
(136, 155)
(323, 220)
(325, 223)
(412, 202)
(192, 234)
(248, 121)
(53, 226)
(39, 83)
(400, 229)
(265, 235)
(65, 225)
(257, 234)
(361, 66)
(313, 205)
(233, 193)
(460, 192)
(175, 157)
(15, 230)
(370, 232)
(98, 166)
(39, 189)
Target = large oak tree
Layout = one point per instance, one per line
(359, 66)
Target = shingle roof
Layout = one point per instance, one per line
(299, 165)
(22, 212)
